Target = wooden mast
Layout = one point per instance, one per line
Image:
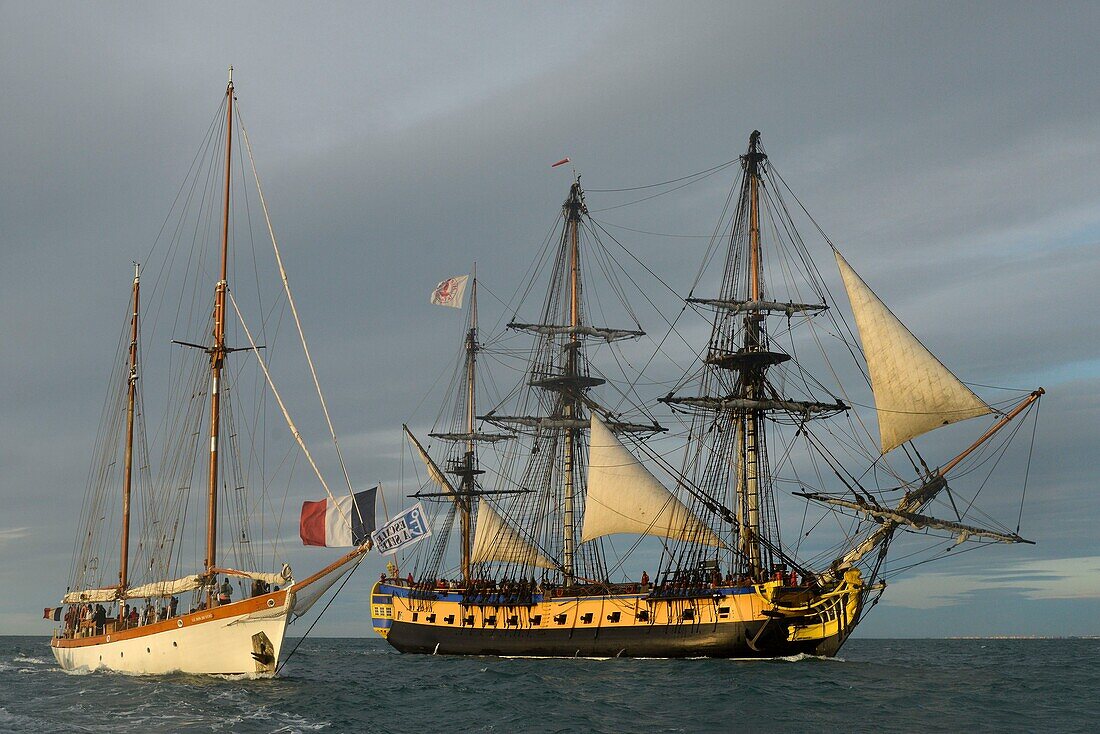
(128, 460)
(569, 408)
(218, 351)
(466, 502)
(750, 419)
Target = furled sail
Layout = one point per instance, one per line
(496, 540)
(165, 588)
(90, 595)
(914, 392)
(624, 497)
(285, 576)
(170, 587)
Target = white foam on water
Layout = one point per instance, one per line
(804, 656)
(556, 657)
(786, 658)
(36, 661)
(76, 671)
(242, 676)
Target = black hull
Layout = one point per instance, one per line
(726, 640)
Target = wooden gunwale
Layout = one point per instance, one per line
(202, 616)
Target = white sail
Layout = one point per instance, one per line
(90, 595)
(496, 540)
(914, 392)
(311, 589)
(434, 471)
(283, 577)
(170, 587)
(624, 497)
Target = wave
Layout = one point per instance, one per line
(18, 722)
(804, 656)
(784, 658)
(242, 676)
(34, 661)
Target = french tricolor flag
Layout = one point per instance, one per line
(347, 523)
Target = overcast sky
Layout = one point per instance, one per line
(951, 151)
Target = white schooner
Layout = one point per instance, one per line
(226, 613)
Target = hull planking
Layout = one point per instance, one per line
(766, 620)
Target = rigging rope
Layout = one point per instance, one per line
(321, 614)
(713, 169)
(1027, 469)
(286, 413)
(293, 307)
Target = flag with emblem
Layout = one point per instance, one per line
(450, 292)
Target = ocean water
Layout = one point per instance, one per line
(362, 685)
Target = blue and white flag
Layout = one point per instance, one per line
(408, 528)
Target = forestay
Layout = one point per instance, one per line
(914, 392)
(624, 497)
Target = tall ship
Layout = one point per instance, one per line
(565, 494)
(177, 568)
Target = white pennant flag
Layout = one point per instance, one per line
(450, 292)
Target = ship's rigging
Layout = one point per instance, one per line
(214, 415)
(758, 418)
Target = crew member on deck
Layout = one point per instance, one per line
(86, 617)
(645, 580)
(225, 592)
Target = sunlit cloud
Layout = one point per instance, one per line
(7, 534)
(1057, 578)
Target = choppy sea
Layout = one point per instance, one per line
(362, 685)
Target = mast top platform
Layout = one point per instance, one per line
(754, 157)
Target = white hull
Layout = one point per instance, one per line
(218, 642)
